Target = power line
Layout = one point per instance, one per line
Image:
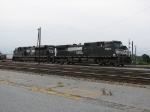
(144, 48)
(50, 38)
(89, 30)
(107, 25)
(23, 31)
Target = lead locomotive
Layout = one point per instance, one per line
(102, 53)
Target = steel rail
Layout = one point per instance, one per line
(108, 74)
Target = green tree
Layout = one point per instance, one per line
(139, 60)
(134, 60)
(146, 58)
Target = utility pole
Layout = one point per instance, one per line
(129, 47)
(132, 52)
(135, 54)
(39, 40)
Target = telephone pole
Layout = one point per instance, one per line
(39, 40)
(135, 54)
(132, 53)
(129, 47)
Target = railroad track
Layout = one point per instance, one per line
(98, 73)
(126, 66)
(96, 65)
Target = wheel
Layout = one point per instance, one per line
(61, 62)
(122, 65)
(72, 63)
(66, 63)
(107, 64)
(48, 59)
(99, 62)
(116, 64)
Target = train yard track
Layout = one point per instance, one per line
(91, 72)
(96, 65)
(126, 66)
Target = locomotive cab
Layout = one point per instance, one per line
(122, 52)
(120, 49)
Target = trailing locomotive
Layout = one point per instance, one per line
(31, 53)
(2, 56)
(102, 53)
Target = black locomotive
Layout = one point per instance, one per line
(102, 53)
(2, 56)
(31, 53)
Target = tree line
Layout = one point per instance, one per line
(141, 60)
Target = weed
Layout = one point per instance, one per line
(128, 109)
(49, 89)
(103, 91)
(110, 93)
(60, 84)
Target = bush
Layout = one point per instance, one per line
(145, 63)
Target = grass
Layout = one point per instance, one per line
(128, 109)
(60, 84)
(49, 89)
(110, 93)
(103, 91)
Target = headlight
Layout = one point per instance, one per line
(126, 52)
(119, 51)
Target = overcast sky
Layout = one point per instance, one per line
(74, 21)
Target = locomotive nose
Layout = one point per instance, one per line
(123, 50)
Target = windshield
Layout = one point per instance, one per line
(117, 44)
